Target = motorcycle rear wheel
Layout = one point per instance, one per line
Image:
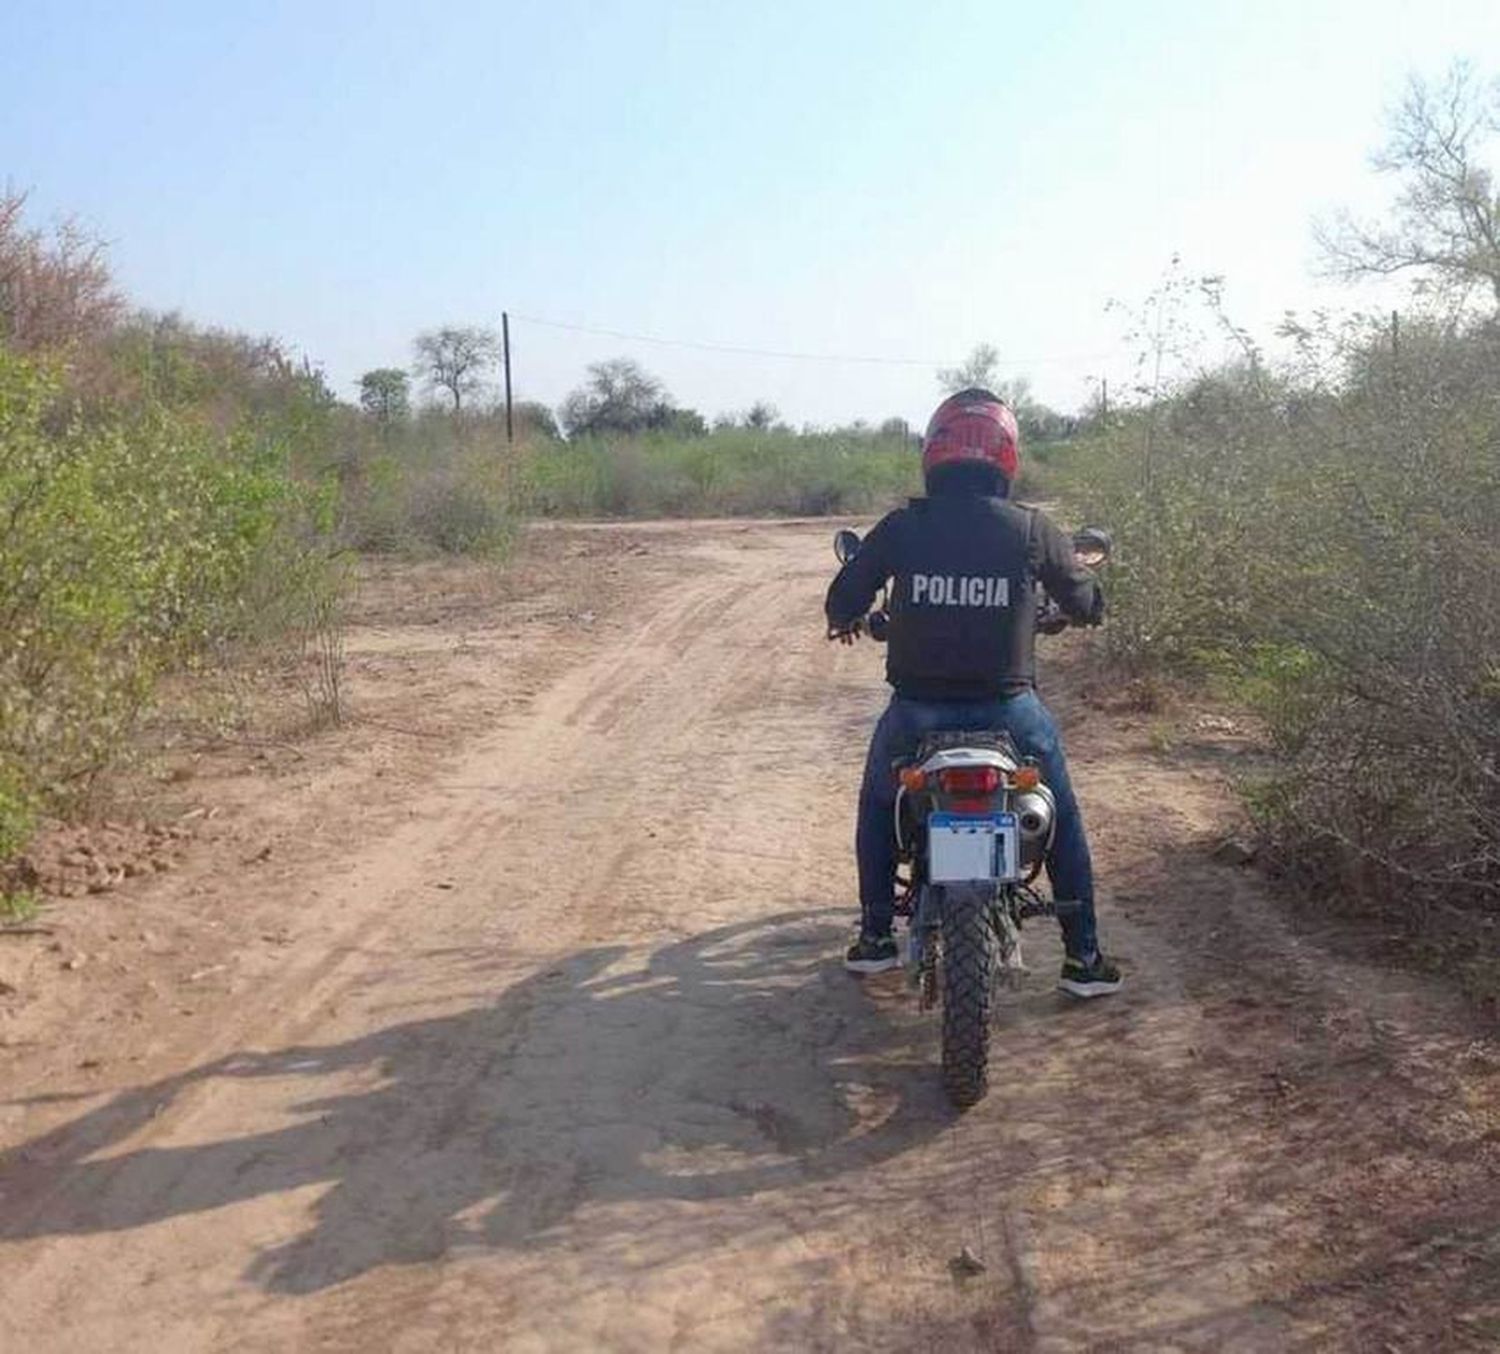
(968, 966)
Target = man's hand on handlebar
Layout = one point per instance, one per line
(875, 624)
(1051, 619)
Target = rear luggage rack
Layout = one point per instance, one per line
(943, 739)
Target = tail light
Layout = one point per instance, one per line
(969, 780)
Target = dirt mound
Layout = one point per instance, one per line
(64, 861)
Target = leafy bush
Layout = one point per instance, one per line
(130, 543)
(55, 288)
(420, 496)
(1327, 540)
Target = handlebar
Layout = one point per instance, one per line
(1051, 619)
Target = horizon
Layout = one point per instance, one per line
(710, 198)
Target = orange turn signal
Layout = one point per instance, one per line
(1025, 778)
(913, 779)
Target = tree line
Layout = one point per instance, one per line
(618, 397)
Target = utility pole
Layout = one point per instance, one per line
(510, 427)
(1104, 399)
(1395, 335)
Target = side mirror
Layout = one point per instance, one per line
(1092, 547)
(846, 545)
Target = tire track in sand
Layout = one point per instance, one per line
(612, 1090)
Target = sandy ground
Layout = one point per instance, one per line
(510, 1017)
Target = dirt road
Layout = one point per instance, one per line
(525, 1030)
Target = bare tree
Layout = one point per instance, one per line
(1446, 220)
(979, 369)
(54, 290)
(455, 358)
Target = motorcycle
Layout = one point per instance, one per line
(974, 823)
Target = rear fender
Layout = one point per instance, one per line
(927, 916)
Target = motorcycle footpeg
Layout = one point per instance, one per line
(1041, 907)
(1011, 969)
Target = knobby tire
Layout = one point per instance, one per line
(967, 969)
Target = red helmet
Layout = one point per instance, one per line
(973, 425)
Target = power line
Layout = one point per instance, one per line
(784, 355)
(727, 347)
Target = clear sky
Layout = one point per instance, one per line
(884, 179)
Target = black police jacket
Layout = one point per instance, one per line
(963, 603)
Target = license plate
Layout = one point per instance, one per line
(962, 849)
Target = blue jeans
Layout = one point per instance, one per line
(1030, 724)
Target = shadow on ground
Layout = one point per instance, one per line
(734, 1062)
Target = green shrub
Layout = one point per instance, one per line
(423, 503)
(131, 542)
(1326, 540)
(735, 471)
(16, 815)
(433, 483)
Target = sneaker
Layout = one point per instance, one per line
(873, 954)
(1098, 979)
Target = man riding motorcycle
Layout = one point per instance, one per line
(962, 656)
